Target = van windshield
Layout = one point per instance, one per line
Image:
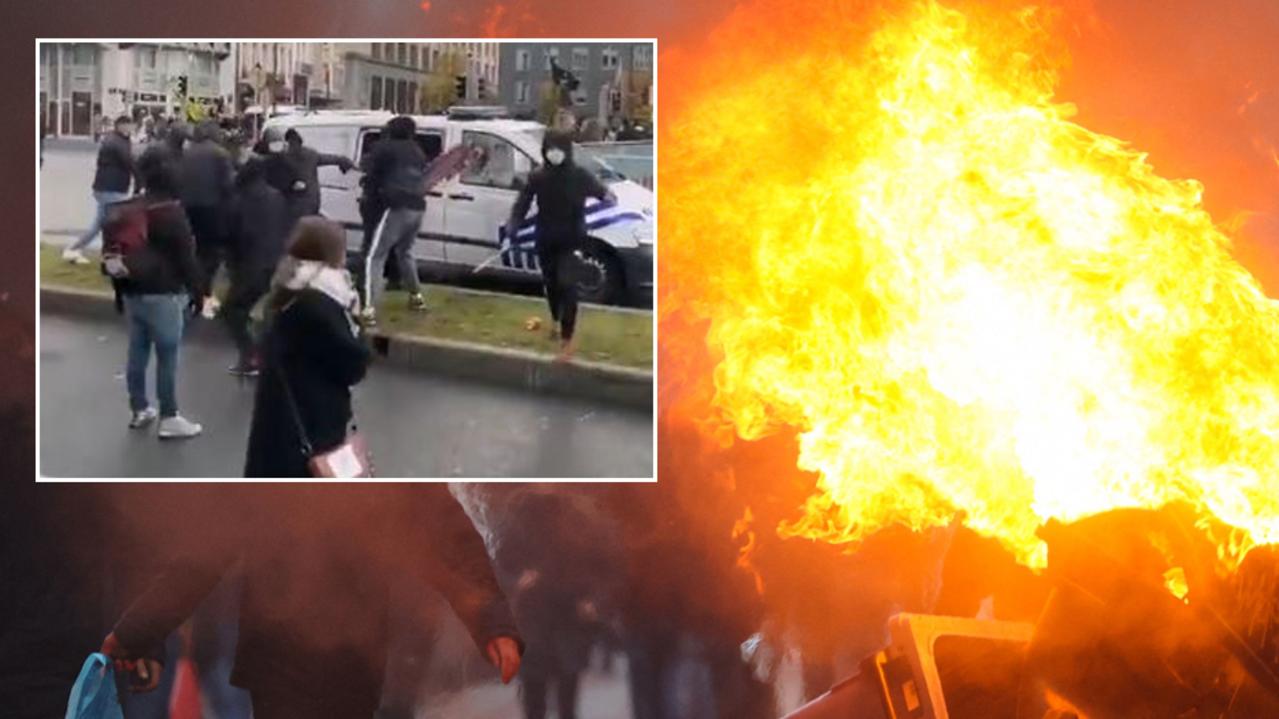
(581, 156)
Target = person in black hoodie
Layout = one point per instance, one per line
(281, 172)
(167, 146)
(306, 164)
(206, 180)
(313, 342)
(111, 182)
(259, 226)
(157, 301)
(395, 172)
(561, 188)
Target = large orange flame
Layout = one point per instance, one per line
(966, 304)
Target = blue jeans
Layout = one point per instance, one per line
(103, 199)
(154, 320)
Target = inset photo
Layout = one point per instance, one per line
(315, 260)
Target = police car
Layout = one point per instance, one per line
(464, 226)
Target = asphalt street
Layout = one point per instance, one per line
(66, 197)
(417, 425)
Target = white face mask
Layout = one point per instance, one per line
(555, 156)
(277, 146)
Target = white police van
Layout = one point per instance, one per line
(464, 224)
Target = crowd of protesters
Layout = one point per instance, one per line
(321, 584)
(208, 205)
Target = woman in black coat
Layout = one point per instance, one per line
(313, 344)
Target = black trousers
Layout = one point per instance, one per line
(371, 211)
(533, 692)
(248, 285)
(208, 225)
(560, 274)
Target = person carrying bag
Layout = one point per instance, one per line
(314, 354)
(94, 694)
(350, 460)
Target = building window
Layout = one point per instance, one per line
(402, 96)
(144, 57)
(521, 92)
(521, 60)
(608, 60)
(435, 59)
(82, 54)
(581, 57)
(643, 56)
(402, 53)
(413, 55)
(551, 53)
(413, 98)
(388, 102)
(375, 96)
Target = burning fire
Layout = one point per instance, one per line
(965, 304)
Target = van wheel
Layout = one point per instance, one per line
(602, 280)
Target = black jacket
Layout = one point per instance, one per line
(561, 194)
(318, 563)
(259, 225)
(172, 248)
(206, 174)
(306, 163)
(115, 170)
(282, 174)
(310, 343)
(395, 172)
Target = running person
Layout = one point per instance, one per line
(561, 188)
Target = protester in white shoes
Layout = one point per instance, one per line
(111, 182)
(162, 284)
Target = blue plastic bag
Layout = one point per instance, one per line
(94, 694)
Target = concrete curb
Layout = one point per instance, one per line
(494, 365)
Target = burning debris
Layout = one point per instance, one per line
(964, 302)
(986, 325)
(1108, 641)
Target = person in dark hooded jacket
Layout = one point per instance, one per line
(395, 172)
(306, 163)
(281, 173)
(259, 226)
(206, 180)
(114, 175)
(561, 188)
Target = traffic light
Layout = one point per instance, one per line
(182, 85)
(479, 88)
(459, 87)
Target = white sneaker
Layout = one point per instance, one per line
(143, 417)
(178, 427)
(75, 257)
